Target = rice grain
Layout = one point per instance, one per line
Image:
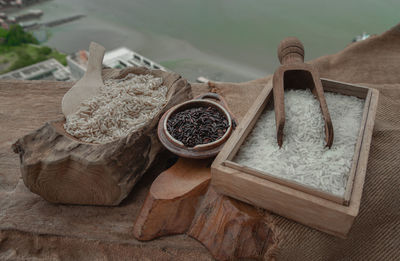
(123, 106)
(303, 157)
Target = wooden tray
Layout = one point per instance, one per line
(307, 205)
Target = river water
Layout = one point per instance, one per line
(224, 40)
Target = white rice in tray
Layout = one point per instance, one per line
(303, 157)
(122, 107)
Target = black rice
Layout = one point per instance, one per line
(200, 125)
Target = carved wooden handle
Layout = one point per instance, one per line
(95, 62)
(212, 95)
(290, 50)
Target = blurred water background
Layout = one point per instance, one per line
(224, 40)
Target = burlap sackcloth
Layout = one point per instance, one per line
(31, 228)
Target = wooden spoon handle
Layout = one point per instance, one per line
(291, 50)
(90, 84)
(95, 62)
(212, 95)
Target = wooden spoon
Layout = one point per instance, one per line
(90, 84)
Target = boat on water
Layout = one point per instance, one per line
(361, 37)
(202, 79)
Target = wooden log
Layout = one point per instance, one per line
(63, 169)
(171, 203)
(181, 201)
(231, 230)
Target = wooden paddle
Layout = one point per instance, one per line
(90, 84)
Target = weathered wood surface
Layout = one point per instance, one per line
(172, 201)
(180, 201)
(32, 227)
(232, 230)
(62, 169)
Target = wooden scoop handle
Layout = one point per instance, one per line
(90, 84)
(95, 62)
(291, 50)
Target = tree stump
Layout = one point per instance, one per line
(172, 200)
(230, 229)
(62, 169)
(181, 201)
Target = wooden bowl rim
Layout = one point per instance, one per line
(199, 151)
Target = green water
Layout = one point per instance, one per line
(224, 40)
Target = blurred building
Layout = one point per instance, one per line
(10, 3)
(77, 63)
(4, 4)
(118, 58)
(47, 70)
(53, 70)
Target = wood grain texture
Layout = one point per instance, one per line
(172, 201)
(181, 201)
(357, 152)
(231, 230)
(62, 169)
(310, 207)
(286, 182)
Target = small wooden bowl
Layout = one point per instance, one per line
(201, 151)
